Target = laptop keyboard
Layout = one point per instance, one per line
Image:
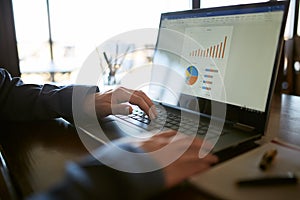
(165, 120)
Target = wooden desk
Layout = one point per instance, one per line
(36, 152)
(284, 119)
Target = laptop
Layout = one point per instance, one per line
(213, 75)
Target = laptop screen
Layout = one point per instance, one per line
(224, 54)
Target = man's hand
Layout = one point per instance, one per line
(114, 102)
(188, 164)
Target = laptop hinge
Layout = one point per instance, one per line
(243, 127)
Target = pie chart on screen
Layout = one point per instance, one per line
(191, 74)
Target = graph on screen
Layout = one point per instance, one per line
(216, 51)
(191, 74)
(207, 50)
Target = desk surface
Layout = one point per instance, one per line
(36, 153)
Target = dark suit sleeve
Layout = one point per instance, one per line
(91, 179)
(29, 101)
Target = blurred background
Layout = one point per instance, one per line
(54, 37)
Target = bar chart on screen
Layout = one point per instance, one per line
(208, 42)
(216, 51)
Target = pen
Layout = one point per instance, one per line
(288, 178)
(267, 159)
(106, 59)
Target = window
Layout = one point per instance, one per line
(297, 17)
(215, 3)
(76, 28)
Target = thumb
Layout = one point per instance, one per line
(121, 109)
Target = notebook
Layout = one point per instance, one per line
(216, 69)
(246, 167)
